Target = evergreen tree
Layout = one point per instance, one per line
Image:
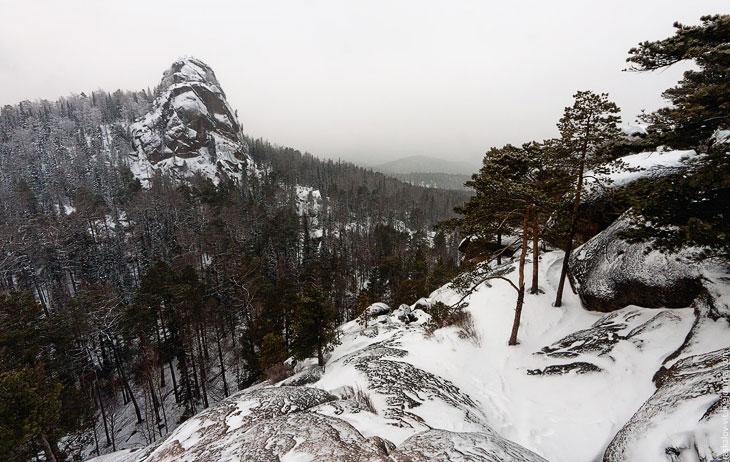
(691, 207)
(700, 103)
(511, 188)
(314, 329)
(30, 409)
(586, 129)
(273, 350)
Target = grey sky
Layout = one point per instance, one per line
(367, 81)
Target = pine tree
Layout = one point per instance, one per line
(30, 409)
(700, 103)
(314, 330)
(689, 209)
(511, 189)
(273, 351)
(586, 128)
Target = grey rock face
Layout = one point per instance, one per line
(610, 273)
(220, 429)
(310, 436)
(407, 387)
(681, 420)
(191, 128)
(604, 334)
(446, 446)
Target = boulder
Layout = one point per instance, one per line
(610, 273)
(218, 431)
(404, 314)
(682, 420)
(447, 446)
(305, 436)
(377, 309)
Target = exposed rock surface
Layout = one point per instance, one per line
(682, 419)
(610, 273)
(446, 446)
(219, 430)
(191, 128)
(604, 334)
(579, 367)
(406, 387)
(305, 436)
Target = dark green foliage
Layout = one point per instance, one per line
(690, 208)
(273, 350)
(686, 210)
(314, 326)
(20, 329)
(30, 409)
(440, 313)
(700, 103)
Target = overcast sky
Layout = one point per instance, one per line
(368, 81)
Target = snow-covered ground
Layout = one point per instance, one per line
(567, 417)
(573, 382)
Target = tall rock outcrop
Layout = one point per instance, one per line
(190, 128)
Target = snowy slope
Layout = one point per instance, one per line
(562, 394)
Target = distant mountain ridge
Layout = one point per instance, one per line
(453, 181)
(425, 164)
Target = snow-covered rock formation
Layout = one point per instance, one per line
(191, 128)
(610, 273)
(684, 418)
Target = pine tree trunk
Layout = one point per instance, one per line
(155, 402)
(571, 231)
(184, 374)
(159, 348)
(103, 413)
(174, 383)
(535, 253)
(499, 245)
(201, 364)
(521, 284)
(220, 360)
(125, 383)
(320, 355)
(50, 457)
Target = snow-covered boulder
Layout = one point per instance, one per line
(652, 164)
(404, 314)
(191, 128)
(219, 433)
(304, 436)
(610, 273)
(446, 446)
(682, 421)
(377, 309)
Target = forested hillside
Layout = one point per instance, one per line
(132, 255)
